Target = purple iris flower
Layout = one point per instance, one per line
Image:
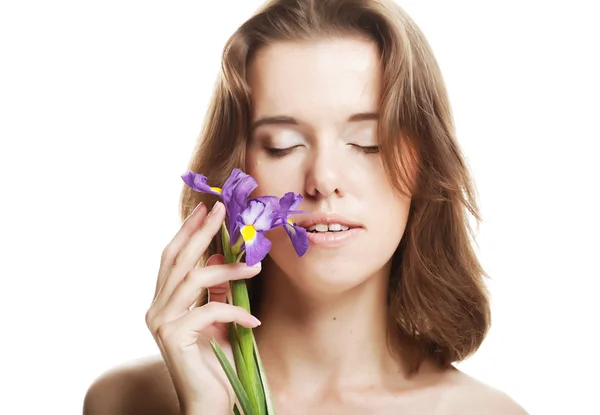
(234, 193)
(250, 219)
(254, 221)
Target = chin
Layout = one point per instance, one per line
(331, 277)
(326, 271)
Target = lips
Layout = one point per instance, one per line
(327, 219)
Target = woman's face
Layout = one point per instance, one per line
(315, 133)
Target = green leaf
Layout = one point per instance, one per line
(240, 362)
(233, 379)
(258, 390)
(263, 379)
(229, 257)
(254, 388)
(239, 293)
(224, 236)
(236, 411)
(240, 255)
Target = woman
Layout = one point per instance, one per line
(342, 102)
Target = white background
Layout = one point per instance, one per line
(100, 107)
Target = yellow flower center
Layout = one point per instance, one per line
(217, 189)
(290, 222)
(248, 233)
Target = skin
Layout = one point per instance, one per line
(329, 306)
(323, 339)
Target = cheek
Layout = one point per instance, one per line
(369, 180)
(385, 202)
(274, 178)
(252, 162)
(270, 184)
(257, 169)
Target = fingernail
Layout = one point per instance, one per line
(255, 322)
(257, 265)
(251, 269)
(216, 208)
(196, 208)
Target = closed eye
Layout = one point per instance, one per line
(366, 149)
(282, 152)
(279, 152)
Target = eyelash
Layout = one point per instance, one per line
(282, 152)
(368, 149)
(279, 152)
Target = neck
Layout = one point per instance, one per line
(328, 341)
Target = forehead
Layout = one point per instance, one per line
(315, 80)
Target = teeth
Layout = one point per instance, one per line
(321, 228)
(333, 227)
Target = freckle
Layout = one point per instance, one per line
(335, 318)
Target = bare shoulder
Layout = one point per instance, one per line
(141, 387)
(467, 395)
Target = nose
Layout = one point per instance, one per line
(324, 174)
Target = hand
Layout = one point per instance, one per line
(181, 330)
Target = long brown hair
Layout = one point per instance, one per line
(438, 303)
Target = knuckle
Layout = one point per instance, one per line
(153, 321)
(164, 331)
(213, 307)
(168, 254)
(190, 277)
(148, 318)
(180, 259)
(154, 326)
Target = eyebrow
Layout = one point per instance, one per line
(285, 120)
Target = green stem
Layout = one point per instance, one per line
(239, 294)
(242, 338)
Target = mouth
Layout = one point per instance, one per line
(328, 223)
(325, 228)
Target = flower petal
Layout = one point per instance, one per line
(271, 201)
(251, 213)
(198, 182)
(236, 190)
(238, 186)
(288, 204)
(290, 201)
(258, 214)
(257, 249)
(298, 237)
(266, 221)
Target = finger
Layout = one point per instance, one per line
(187, 293)
(217, 292)
(189, 226)
(184, 331)
(190, 254)
(215, 259)
(222, 289)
